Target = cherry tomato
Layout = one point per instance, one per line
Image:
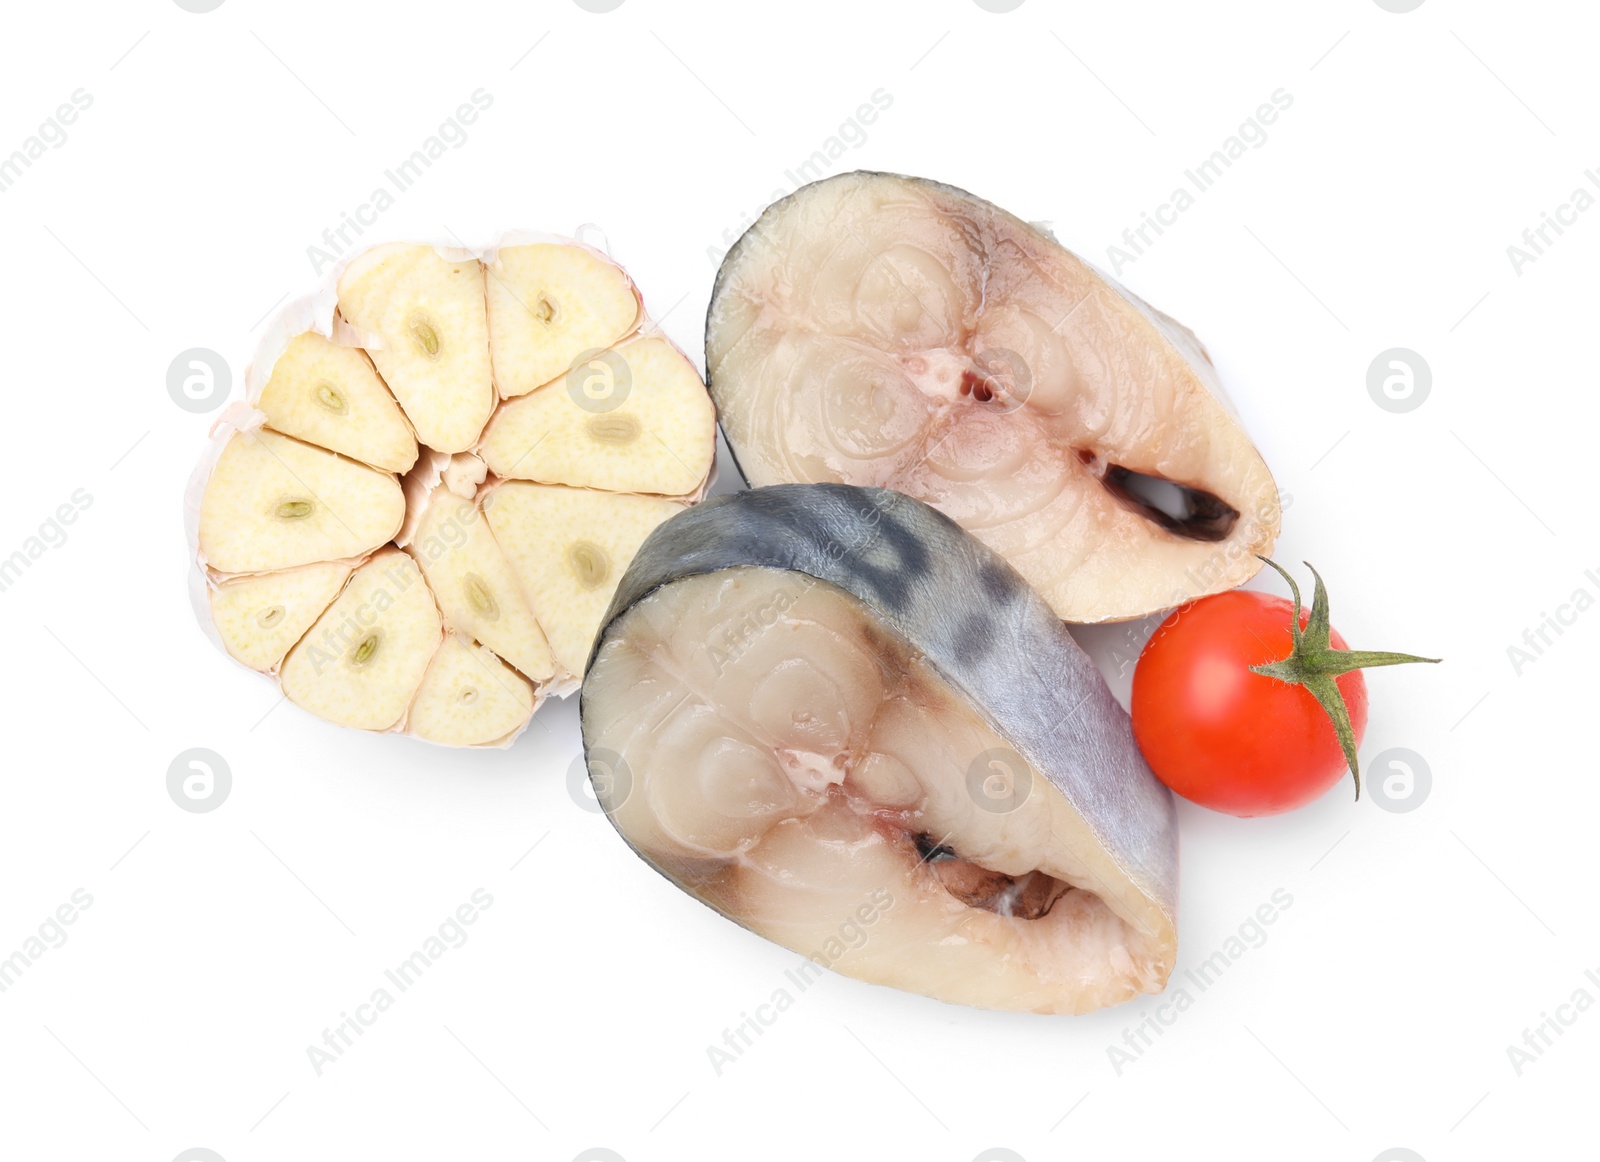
(1225, 737)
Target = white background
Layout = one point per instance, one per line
(1377, 1013)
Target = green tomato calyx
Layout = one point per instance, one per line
(1314, 663)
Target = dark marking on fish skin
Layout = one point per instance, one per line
(1000, 584)
(975, 636)
(892, 584)
(869, 540)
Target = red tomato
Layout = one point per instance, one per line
(1227, 738)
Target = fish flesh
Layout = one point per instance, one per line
(843, 722)
(889, 331)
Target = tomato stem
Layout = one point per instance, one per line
(1315, 664)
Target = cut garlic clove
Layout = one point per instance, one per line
(260, 617)
(273, 503)
(637, 419)
(569, 547)
(338, 522)
(332, 396)
(432, 337)
(548, 304)
(363, 660)
(470, 697)
(476, 589)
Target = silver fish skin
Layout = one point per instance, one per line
(984, 631)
